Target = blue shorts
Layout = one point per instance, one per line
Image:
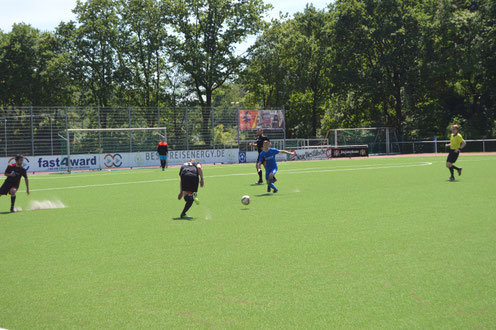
(162, 157)
(268, 171)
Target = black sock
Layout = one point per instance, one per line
(187, 206)
(456, 168)
(452, 171)
(162, 163)
(12, 201)
(189, 202)
(260, 175)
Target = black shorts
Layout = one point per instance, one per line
(190, 183)
(452, 156)
(5, 188)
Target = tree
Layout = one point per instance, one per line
(208, 33)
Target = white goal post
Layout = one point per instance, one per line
(160, 131)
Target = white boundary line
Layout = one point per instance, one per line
(295, 171)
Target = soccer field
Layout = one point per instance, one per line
(355, 243)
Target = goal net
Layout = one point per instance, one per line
(107, 148)
(380, 140)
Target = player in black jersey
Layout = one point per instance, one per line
(191, 174)
(163, 150)
(14, 173)
(259, 144)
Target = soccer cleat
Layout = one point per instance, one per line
(197, 201)
(259, 182)
(163, 169)
(183, 215)
(12, 210)
(276, 190)
(459, 171)
(451, 179)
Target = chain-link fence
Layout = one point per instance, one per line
(43, 130)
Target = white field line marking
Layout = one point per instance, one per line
(111, 172)
(234, 174)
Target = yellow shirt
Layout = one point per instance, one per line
(455, 141)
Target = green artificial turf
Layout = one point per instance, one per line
(358, 243)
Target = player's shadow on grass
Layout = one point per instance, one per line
(263, 195)
(6, 212)
(185, 218)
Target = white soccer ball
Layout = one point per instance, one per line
(245, 200)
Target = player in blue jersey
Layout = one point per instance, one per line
(268, 158)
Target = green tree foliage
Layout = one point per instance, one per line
(416, 65)
(208, 33)
(32, 68)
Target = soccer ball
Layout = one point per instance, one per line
(245, 200)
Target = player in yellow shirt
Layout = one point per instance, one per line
(456, 144)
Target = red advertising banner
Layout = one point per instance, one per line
(253, 119)
(248, 119)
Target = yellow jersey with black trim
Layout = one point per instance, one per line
(455, 141)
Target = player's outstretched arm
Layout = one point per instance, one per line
(180, 188)
(27, 184)
(287, 152)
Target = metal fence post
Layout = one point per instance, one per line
(68, 144)
(5, 131)
(213, 126)
(483, 146)
(99, 132)
(284, 129)
(237, 123)
(32, 130)
(51, 133)
(130, 132)
(158, 114)
(187, 128)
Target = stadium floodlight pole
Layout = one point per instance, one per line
(68, 144)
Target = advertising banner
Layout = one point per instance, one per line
(121, 160)
(327, 152)
(253, 119)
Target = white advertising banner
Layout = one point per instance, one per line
(122, 160)
(251, 157)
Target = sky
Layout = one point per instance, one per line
(47, 14)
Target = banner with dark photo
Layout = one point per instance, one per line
(273, 119)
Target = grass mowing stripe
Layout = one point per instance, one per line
(294, 171)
